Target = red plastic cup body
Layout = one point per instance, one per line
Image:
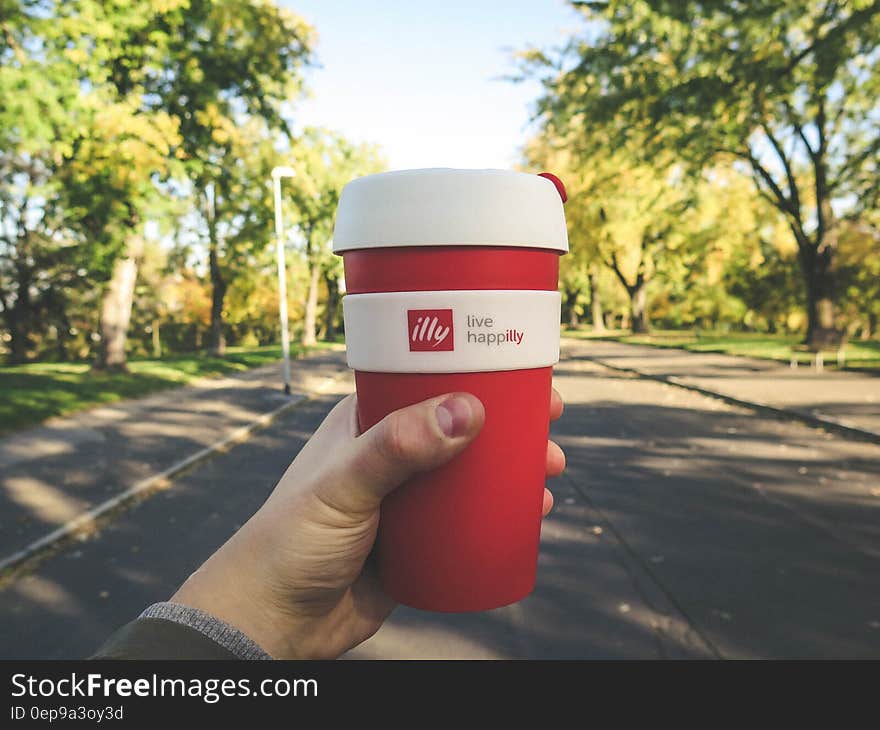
(465, 536)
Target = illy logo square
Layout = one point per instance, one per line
(430, 330)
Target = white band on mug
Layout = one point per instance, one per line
(452, 331)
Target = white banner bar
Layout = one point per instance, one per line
(452, 331)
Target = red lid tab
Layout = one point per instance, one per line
(560, 186)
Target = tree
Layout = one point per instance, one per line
(325, 161)
(331, 270)
(233, 215)
(80, 158)
(627, 215)
(152, 296)
(642, 212)
(787, 88)
(123, 150)
(578, 270)
(231, 68)
(38, 95)
(109, 188)
(860, 275)
(762, 277)
(221, 70)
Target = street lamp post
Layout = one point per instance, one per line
(277, 174)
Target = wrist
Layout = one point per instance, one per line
(234, 586)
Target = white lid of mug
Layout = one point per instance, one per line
(448, 207)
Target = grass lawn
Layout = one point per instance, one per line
(859, 355)
(31, 393)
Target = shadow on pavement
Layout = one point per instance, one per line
(683, 527)
(766, 534)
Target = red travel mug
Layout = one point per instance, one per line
(451, 280)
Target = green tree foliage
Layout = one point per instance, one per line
(110, 187)
(110, 108)
(860, 276)
(786, 88)
(222, 69)
(230, 217)
(579, 270)
(764, 279)
(231, 68)
(734, 236)
(37, 265)
(637, 220)
(79, 160)
(104, 153)
(655, 243)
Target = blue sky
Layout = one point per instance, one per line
(420, 78)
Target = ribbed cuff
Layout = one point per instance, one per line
(220, 632)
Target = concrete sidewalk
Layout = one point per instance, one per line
(847, 399)
(54, 473)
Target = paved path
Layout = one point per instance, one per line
(53, 473)
(849, 398)
(684, 527)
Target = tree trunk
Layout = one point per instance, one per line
(870, 327)
(571, 297)
(817, 256)
(217, 344)
(638, 315)
(595, 303)
(17, 320)
(332, 284)
(817, 270)
(22, 339)
(62, 338)
(116, 309)
(157, 341)
(310, 321)
(20, 316)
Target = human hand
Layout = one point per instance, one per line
(297, 577)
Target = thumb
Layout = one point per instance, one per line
(414, 439)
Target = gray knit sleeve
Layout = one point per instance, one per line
(220, 632)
